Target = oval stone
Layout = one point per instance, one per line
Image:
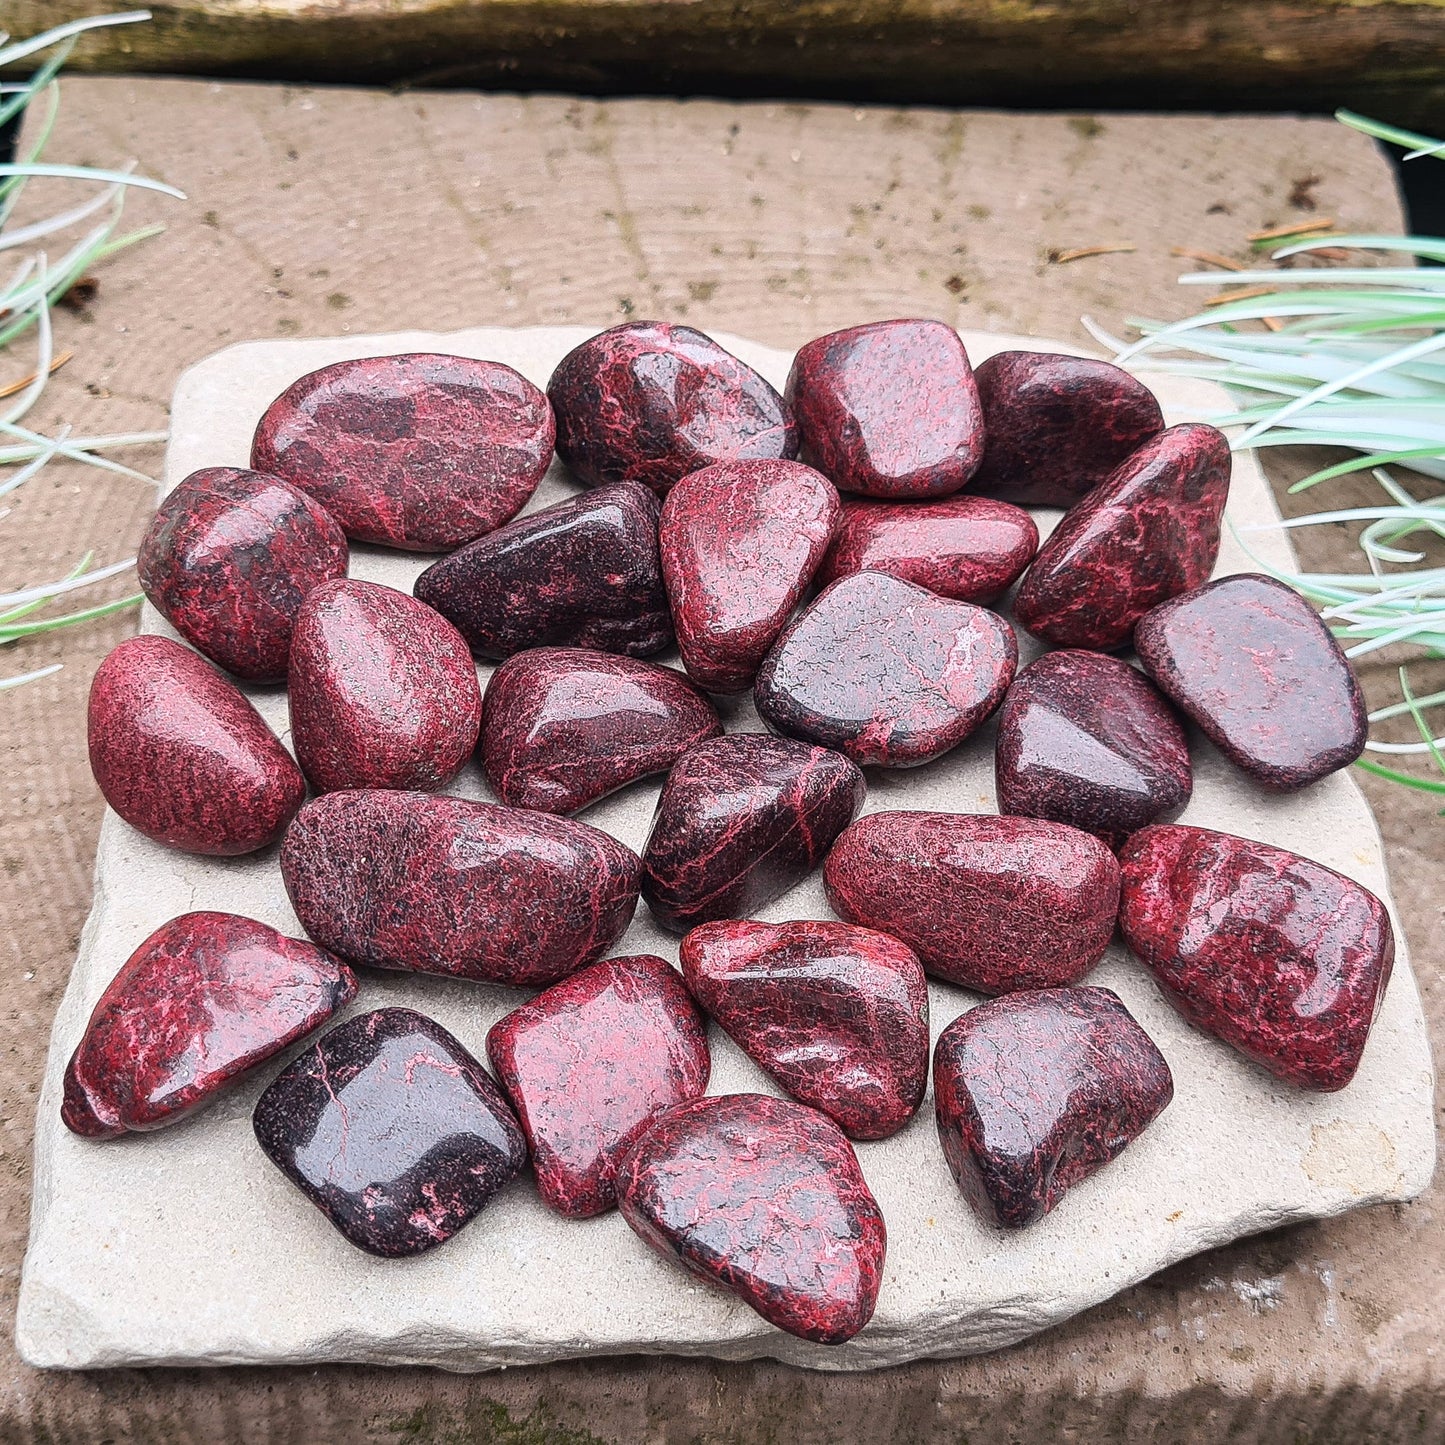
(837, 1015)
(1147, 533)
(1257, 668)
(383, 691)
(741, 820)
(1282, 958)
(1057, 426)
(418, 451)
(886, 672)
(995, 904)
(650, 402)
(228, 559)
(181, 754)
(590, 1063)
(889, 409)
(968, 548)
(582, 573)
(469, 890)
(564, 726)
(765, 1198)
(1085, 739)
(740, 543)
(202, 1001)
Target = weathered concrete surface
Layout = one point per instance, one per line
(314, 212)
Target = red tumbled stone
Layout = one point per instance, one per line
(1085, 739)
(228, 560)
(995, 904)
(1147, 533)
(417, 451)
(1253, 664)
(837, 1015)
(565, 726)
(969, 548)
(890, 409)
(1281, 957)
(742, 819)
(765, 1198)
(383, 691)
(584, 573)
(740, 541)
(886, 672)
(181, 754)
(650, 402)
(205, 998)
(1057, 426)
(469, 890)
(589, 1064)
(1036, 1091)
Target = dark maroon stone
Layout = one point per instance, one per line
(590, 1063)
(650, 402)
(1281, 957)
(837, 1015)
(418, 451)
(1086, 740)
(890, 409)
(765, 1198)
(1057, 426)
(996, 904)
(885, 672)
(1254, 665)
(182, 755)
(564, 726)
(969, 548)
(584, 573)
(383, 691)
(742, 819)
(228, 559)
(1036, 1091)
(202, 1001)
(392, 1130)
(470, 890)
(1147, 533)
(740, 543)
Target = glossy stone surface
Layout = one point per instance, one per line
(179, 752)
(740, 543)
(1085, 739)
(765, 1198)
(996, 904)
(1057, 425)
(968, 548)
(837, 1015)
(890, 409)
(1281, 957)
(741, 820)
(650, 402)
(419, 451)
(1145, 534)
(589, 1064)
(565, 726)
(886, 672)
(584, 573)
(383, 691)
(392, 1130)
(227, 560)
(470, 890)
(204, 999)
(1036, 1091)
(1254, 665)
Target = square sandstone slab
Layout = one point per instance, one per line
(187, 1247)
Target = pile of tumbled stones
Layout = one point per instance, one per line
(862, 624)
